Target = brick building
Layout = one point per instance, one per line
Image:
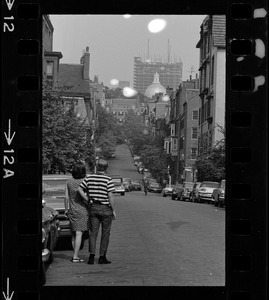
(212, 46)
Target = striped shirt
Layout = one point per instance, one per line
(98, 185)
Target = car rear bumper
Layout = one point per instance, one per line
(45, 255)
(155, 191)
(206, 196)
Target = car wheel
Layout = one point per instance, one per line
(51, 258)
(173, 197)
(122, 194)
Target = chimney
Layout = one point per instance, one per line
(85, 61)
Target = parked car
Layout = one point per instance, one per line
(127, 184)
(136, 185)
(205, 191)
(50, 234)
(176, 191)
(194, 192)
(186, 190)
(154, 187)
(167, 190)
(118, 183)
(218, 194)
(54, 195)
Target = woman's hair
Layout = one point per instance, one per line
(79, 170)
(102, 165)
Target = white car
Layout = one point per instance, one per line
(167, 191)
(118, 183)
(205, 191)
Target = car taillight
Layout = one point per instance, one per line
(43, 235)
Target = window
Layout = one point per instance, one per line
(209, 108)
(173, 130)
(212, 71)
(195, 115)
(49, 70)
(193, 153)
(194, 133)
(182, 124)
(120, 113)
(181, 143)
(174, 144)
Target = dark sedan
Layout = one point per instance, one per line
(54, 195)
(176, 191)
(136, 185)
(154, 187)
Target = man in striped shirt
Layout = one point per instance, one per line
(99, 188)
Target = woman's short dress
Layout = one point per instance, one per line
(78, 209)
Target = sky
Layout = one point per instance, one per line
(114, 41)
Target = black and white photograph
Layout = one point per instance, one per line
(133, 150)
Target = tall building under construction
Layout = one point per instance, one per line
(170, 73)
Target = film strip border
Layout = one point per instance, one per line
(246, 123)
(246, 117)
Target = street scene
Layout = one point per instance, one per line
(133, 150)
(155, 241)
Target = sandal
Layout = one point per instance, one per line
(77, 260)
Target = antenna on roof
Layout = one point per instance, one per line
(169, 51)
(148, 58)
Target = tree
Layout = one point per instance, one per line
(211, 165)
(63, 132)
(108, 132)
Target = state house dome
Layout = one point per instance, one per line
(155, 87)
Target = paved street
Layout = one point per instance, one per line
(155, 241)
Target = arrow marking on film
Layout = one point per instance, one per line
(8, 137)
(10, 4)
(7, 296)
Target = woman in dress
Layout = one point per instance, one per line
(76, 209)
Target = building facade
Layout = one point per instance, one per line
(50, 58)
(212, 45)
(120, 107)
(182, 142)
(144, 70)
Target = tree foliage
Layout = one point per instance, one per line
(108, 132)
(63, 132)
(211, 165)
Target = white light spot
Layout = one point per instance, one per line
(240, 58)
(129, 92)
(114, 82)
(156, 25)
(260, 48)
(259, 80)
(165, 98)
(127, 16)
(259, 13)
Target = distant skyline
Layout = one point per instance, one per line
(114, 41)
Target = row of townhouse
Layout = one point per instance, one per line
(193, 119)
